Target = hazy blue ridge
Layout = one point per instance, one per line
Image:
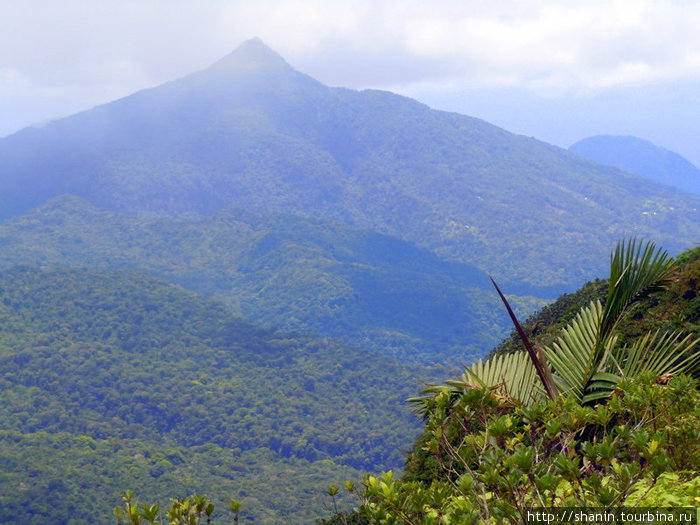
(642, 157)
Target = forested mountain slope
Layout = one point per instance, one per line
(113, 381)
(293, 273)
(253, 133)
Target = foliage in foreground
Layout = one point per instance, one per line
(485, 458)
(192, 510)
(589, 358)
(619, 426)
(677, 308)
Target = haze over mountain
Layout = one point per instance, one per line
(642, 157)
(251, 132)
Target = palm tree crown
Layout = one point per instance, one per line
(586, 361)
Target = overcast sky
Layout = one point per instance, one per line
(557, 70)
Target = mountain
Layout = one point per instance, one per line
(642, 157)
(252, 133)
(115, 380)
(371, 290)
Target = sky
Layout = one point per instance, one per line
(558, 70)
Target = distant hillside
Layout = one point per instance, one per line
(252, 133)
(642, 157)
(373, 291)
(115, 381)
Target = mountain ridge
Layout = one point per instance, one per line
(642, 157)
(458, 186)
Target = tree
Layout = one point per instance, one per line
(191, 510)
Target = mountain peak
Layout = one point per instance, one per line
(251, 55)
(642, 157)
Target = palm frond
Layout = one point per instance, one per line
(541, 366)
(585, 359)
(600, 386)
(424, 403)
(636, 270)
(660, 353)
(575, 357)
(513, 375)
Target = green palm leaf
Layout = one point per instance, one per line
(660, 353)
(514, 374)
(575, 356)
(636, 270)
(586, 360)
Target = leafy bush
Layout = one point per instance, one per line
(192, 510)
(497, 457)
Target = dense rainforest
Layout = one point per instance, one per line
(292, 273)
(494, 447)
(116, 380)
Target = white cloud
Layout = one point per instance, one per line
(548, 46)
(12, 80)
(561, 45)
(589, 43)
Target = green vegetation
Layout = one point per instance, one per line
(678, 308)
(70, 478)
(495, 444)
(117, 380)
(544, 325)
(587, 360)
(303, 275)
(485, 459)
(256, 186)
(114, 380)
(192, 510)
